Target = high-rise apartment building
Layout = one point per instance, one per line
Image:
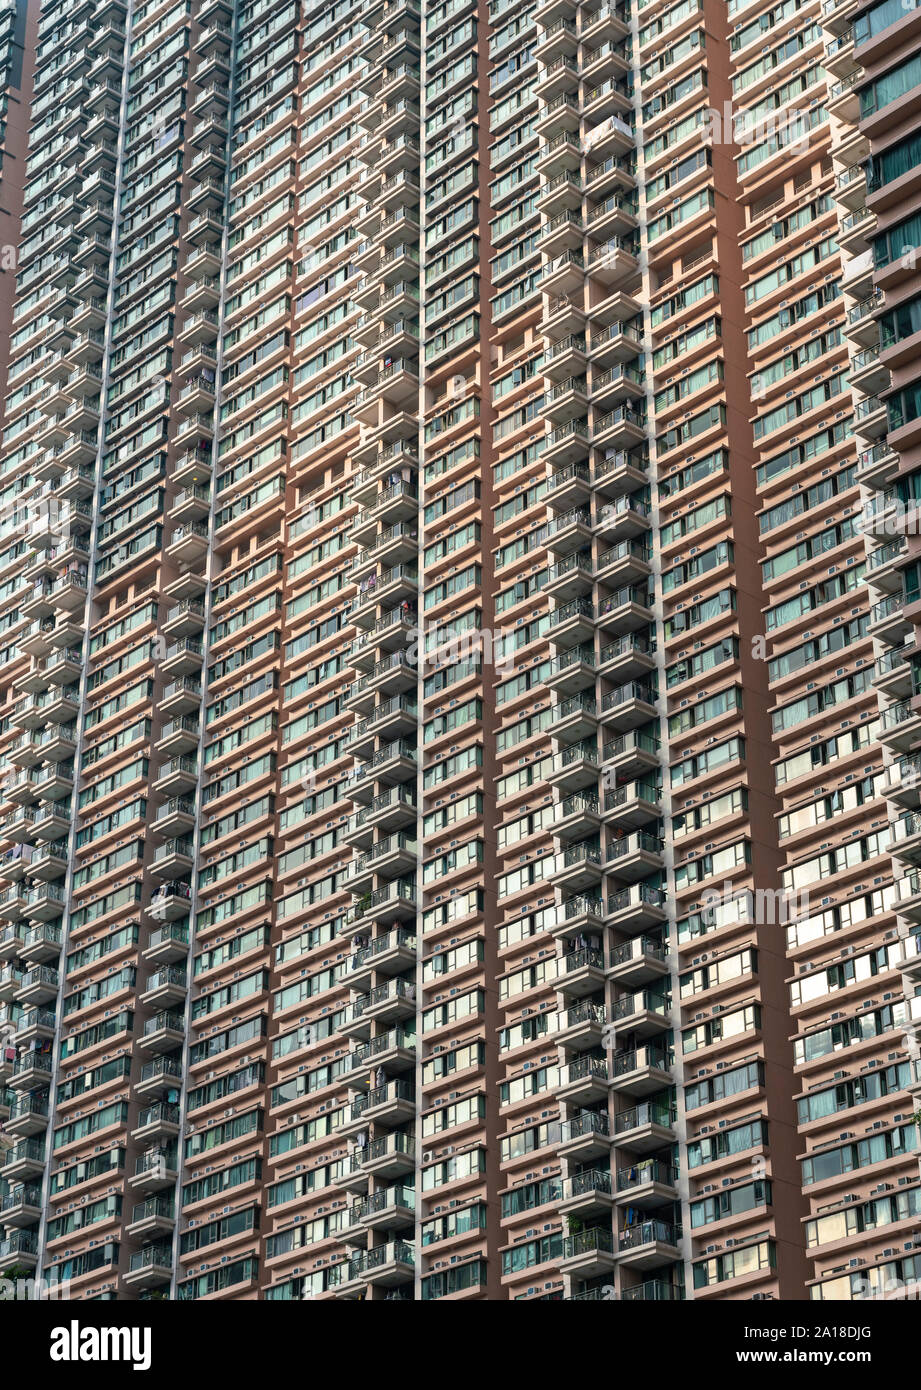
(460, 705)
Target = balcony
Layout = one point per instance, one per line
(646, 1013)
(577, 914)
(568, 356)
(159, 1077)
(34, 1025)
(63, 667)
(560, 37)
(571, 578)
(906, 838)
(584, 1081)
(570, 531)
(164, 988)
(907, 901)
(12, 909)
(627, 610)
(628, 706)
(153, 1217)
(24, 1161)
(641, 1071)
(390, 811)
(77, 449)
(181, 697)
(391, 1002)
(394, 1050)
(57, 706)
(154, 1171)
(18, 825)
(150, 1267)
(588, 1254)
(30, 1071)
(578, 867)
(187, 618)
(887, 620)
(177, 776)
(395, 763)
(587, 1194)
(391, 1156)
(38, 605)
(871, 419)
(69, 592)
(650, 1183)
(902, 781)
(566, 444)
(900, 727)
(633, 805)
(392, 1104)
(18, 1249)
(653, 1291)
(10, 982)
(157, 1121)
(582, 1026)
(28, 1115)
(57, 742)
(868, 373)
(560, 114)
(648, 1245)
(577, 817)
(623, 520)
(562, 233)
(165, 1032)
(572, 670)
(626, 562)
(176, 818)
(885, 566)
(174, 859)
(394, 630)
(392, 719)
(645, 1127)
(387, 955)
(386, 1266)
(349, 1174)
(387, 589)
(393, 674)
(53, 782)
(183, 658)
(170, 902)
(394, 545)
(21, 1207)
(575, 768)
(397, 900)
(11, 941)
(892, 675)
(179, 736)
(388, 1209)
(585, 1136)
(167, 944)
(861, 325)
(876, 466)
(192, 469)
(395, 504)
(572, 624)
(580, 972)
(396, 385)
(38, 986)
(635, 856)
(639, 962)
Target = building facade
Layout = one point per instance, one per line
(463, 553)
